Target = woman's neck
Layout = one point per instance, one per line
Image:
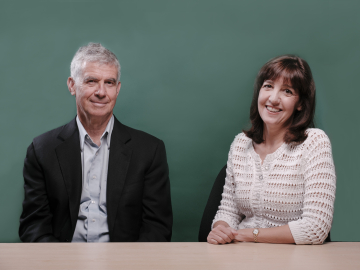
(273, 139)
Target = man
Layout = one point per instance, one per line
(95, 179)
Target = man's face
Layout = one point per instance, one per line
(96, 90)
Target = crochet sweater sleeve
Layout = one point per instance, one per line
(228, 210)
(319, 195)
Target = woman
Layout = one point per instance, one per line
(280, 177)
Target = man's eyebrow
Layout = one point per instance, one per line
(111, 80)
(90, 78)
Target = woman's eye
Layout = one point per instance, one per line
(289, 92)
(267, 85)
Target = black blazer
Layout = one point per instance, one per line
(138, 188)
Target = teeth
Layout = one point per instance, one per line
(272, 109)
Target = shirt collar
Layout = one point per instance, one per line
(83, 132)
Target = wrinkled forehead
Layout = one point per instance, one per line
(98, 66)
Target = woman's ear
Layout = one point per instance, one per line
(299, 107)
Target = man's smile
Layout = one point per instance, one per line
(98, 103)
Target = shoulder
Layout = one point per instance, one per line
(52, 137)
(145, 147)
(141, 135)
(315, 136)
(241, 142)
(242, 138)
(136, 139)
(314, 133)
(316, 141)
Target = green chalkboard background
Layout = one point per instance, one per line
(188, 68)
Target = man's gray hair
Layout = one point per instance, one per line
(93, 52)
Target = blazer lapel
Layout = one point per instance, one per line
(119, 160)
(69, 157)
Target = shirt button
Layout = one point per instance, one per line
(266, 167)
(94, 176)
(96, 153)
(260, 177)
(93, 220)
(92, 201)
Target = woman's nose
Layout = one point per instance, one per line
(274, 98)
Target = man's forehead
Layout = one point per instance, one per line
(94, 68)
(98, 65)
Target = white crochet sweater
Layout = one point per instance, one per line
(295, 185)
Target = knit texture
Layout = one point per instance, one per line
(295, 185)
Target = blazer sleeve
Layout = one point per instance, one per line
(36, 217)
(157, 216)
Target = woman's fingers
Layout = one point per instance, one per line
(221, 235)
(234, 232)
(226, 234)
(230, 232)
(215, 239)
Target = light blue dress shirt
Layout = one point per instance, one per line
(92, 223)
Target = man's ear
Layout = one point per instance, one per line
(71, 86)
(118, 88)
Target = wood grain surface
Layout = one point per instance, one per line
(103, 256)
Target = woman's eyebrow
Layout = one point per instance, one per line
(287, 85)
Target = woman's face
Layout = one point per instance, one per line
(277, 103)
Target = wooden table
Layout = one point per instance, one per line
(185, 256)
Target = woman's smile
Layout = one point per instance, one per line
(272, 109)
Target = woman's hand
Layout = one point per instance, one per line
(244, 235)
(222, 233)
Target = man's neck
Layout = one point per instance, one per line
(94, 126)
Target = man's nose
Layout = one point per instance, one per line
(101, 91)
